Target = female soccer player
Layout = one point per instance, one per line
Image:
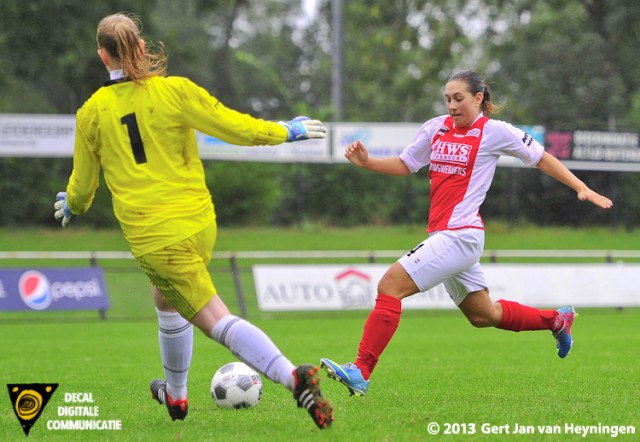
(140, 128)
(462, 151)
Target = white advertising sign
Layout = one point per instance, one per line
(309, 151)
(344, 287)
(330, 287)
(381, 139)
(582, 285)
(36, 135)
(51, 136)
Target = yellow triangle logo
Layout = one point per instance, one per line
(28, 402)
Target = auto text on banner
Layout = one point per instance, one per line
(343, 287)
(330, 287)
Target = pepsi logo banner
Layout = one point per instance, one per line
(78, 288)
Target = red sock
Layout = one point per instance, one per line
(378, 330)
(517, 317)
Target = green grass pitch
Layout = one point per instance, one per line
(438, 369)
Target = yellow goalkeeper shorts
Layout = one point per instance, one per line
(180, 273)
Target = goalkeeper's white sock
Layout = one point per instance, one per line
(176, 346)
(252, 346)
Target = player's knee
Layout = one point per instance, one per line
(386, 287)
(392, 290)
(397, 283)
(481, 321)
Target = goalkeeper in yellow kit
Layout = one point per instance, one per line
(140, 129)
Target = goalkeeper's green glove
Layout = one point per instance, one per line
(62, 210)
(304, 128)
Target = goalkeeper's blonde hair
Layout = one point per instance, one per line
(119, 35)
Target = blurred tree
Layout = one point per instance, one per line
(398, 56)
(564, 64)
(243, 193)
(567, 65)
(51, 47)
(182, 30)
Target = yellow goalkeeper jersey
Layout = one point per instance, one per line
(143, 137)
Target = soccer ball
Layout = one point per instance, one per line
(236, 385)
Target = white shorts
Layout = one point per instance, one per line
(451, 257)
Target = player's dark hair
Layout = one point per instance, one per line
(119, 35)
(475, 84)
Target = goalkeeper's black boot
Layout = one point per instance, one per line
(177, 409)
(308, 395)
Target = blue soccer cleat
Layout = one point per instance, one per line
(348, 374)
(564, 341)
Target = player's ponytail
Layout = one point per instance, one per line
(119, 36)
(475, 84)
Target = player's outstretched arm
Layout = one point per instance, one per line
(62, 209)
(587, 194)
(358, 155)
(304, 128)
(554, 168)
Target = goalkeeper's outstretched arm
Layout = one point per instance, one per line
(304, 128)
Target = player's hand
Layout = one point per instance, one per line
(587, 194)
(304, 128)
(61, 209)
(357, 154)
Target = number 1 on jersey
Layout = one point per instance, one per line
(135, 138)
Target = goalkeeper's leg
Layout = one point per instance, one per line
(175, 336)
(252, 346)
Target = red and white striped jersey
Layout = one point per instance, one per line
(462, 164)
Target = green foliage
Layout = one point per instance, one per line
(342, 195)
(181, 29)
(29, 187)
(561, 64)
(51, 46)
(243, 193)
(19, 96)
(252, 194)
(567, 65)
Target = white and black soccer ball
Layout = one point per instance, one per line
(236, 385)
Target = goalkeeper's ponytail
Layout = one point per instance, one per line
(119, 36)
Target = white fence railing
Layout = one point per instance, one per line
(606, 258)
(493, 255)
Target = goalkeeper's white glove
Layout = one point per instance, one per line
(304, 128)
(62, 210)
